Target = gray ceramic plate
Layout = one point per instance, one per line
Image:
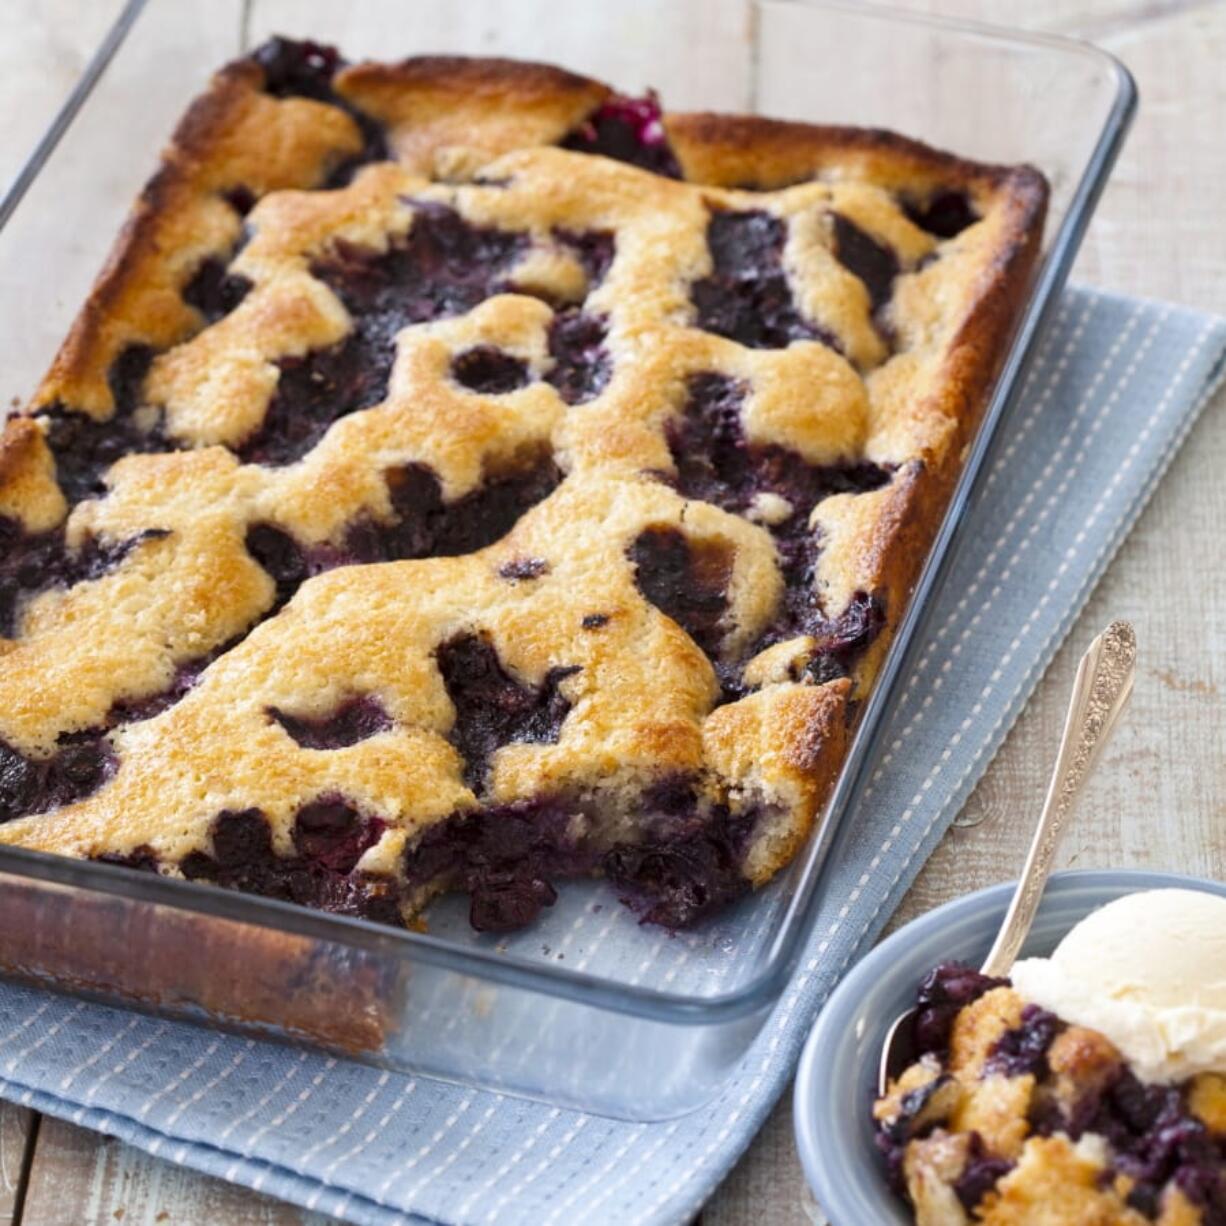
(837, 1075)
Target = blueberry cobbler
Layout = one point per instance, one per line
(1014, 1117)
(464, 477)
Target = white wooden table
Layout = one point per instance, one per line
(1160, 798)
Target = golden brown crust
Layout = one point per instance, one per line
(430, 104)
(901, 388)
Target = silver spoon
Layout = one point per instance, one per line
(1100, 693)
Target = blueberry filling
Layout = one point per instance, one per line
(280, 556)
(687, 867)
(1024, 1049)
(686, 580)
(627, 130)
(747, 297)
(1155, 1141)
(492, 708)
(82, 764)
(863, 256)
(298, 69)
(329, 835)
(504, 857)
(304, 69)
(523, 568)
(351, 722)
(214, 291)
(715, 463)
(142, 858)
(980, 1174)
(594, 621)
(507, 857)
(891, 1139)
(944, 214)
(581, 364)
(84, 448)
(594, 249)
(36, 562)
(489, 370)
(944, 991)
(240, 198)
(424, 525)
(186, 676)
(443, 267)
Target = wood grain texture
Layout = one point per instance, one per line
(81, 1177)
(1159, 799)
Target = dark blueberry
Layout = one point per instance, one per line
(504, 857)
(82, 764)
(187, 674)
(20, 784)
(505, 906)
(351, 722)
(425, 526)
(1024, 1048)
(944, 991)
(980, 1174)
(628, 130)
(279, 554)
(581, 363)
(594, 249)
(686, 580)
(864, 257)
(240, 198)
(594, 621)
(686, 871)
(294, 68)
(126, 377)
(489, 370)
(329, 839)
(331, 833)
(142, 858)
(944, 214)
(84, 448)
(213, 291)
(523, 568)
(492, 708)
(443, 267)
(30, 564)
(747, 297)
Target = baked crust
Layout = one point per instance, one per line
(684, 630)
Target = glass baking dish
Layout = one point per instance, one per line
(586, 1008)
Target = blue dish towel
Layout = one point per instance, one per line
(1112, 395)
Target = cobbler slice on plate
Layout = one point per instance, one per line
(1011, 1116)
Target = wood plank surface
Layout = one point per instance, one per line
(1159, 800)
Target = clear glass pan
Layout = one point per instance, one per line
(586, 1008)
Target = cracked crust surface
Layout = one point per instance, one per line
(255, 181)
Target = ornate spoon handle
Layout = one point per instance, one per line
(1100, 693)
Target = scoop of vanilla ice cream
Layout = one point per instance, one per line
(1149, 972)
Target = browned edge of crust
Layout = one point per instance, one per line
(744, 140)
(464, 74)
(966, 384)
(20, 445)
(191, 143)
